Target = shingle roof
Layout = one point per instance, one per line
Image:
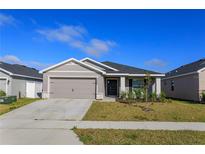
(20, 70)
(191, 67)
(126, 69)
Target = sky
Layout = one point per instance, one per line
(158, 40)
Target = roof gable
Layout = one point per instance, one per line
(194, 67)
(72, 60)
(94, 62)
(20, 70)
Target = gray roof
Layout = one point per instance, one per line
(191, 67)
(21, 70)
(126, 69)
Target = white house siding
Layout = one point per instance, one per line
(18, 87)
(4, 75)
(201, 82)
(185, 87)
(72, 69)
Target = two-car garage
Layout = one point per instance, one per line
(75, 88)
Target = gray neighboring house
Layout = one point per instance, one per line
(91, 79)
(21, 81)
(186, 82)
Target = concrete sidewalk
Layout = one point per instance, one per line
(56, 124)
(38, 137)
(43, 132)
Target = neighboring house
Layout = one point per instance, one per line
(19, 80)
(88, 78)
(186, 82)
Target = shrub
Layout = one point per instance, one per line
(131, 95)
(153, 97)
(2, 93)
(139, 94)
(123, 95)
(162, 97)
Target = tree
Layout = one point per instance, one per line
(147, 83)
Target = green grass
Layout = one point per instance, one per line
(139, 137)
(174, 111)
(4, 108)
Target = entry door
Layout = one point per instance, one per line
(112, 87)
(30, 89)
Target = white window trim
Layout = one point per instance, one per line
(72, 59)
(7, 79)
(78, 77)
(94, 61)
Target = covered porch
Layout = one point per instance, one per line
(115, 85)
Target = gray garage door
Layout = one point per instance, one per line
(3, 84)
(72, 88)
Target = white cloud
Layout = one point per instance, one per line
(11, 59)
(15, 60)
(156, 63)
(76, 37)
(6, 20)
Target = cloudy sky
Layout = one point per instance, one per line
(158, 40)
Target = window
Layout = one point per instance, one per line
(137, 83)
(172, 85)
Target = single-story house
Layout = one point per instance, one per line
(21, 81)
(88, 78)
(186, 82)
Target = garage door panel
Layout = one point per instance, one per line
(72, 88)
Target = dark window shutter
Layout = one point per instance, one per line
(130, 82)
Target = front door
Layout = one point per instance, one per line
(112, 87)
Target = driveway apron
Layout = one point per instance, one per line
(42, 111)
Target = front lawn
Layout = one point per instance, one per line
(4, 108)
(174, 111)
(140, 137)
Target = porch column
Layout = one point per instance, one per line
(154, 87)
(122, 84)
(158, 86)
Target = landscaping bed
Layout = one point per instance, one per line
(4, 108)
(183, 111)
(139, 137)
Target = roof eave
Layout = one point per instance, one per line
(134, 75)
(84, 59)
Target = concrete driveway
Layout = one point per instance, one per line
(14, 125)
(52, 109)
